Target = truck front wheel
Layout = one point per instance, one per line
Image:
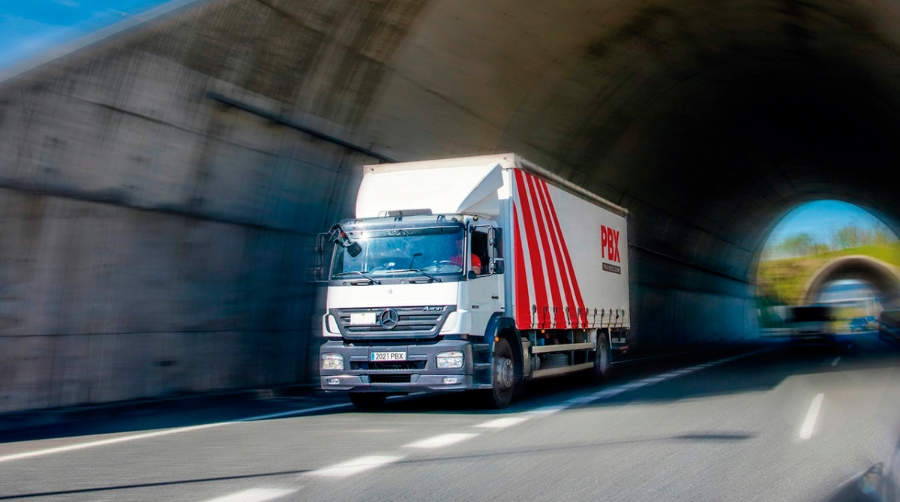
(503, 375)
(367, 400)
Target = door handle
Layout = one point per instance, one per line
(495, 297)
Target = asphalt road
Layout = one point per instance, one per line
(771, 423)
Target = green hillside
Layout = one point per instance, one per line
(781, 282)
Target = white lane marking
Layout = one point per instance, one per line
(103, 442)
(810, 421)
(354, 466)
(547, 410)
(836, 360)
(607, 393)
(178, 430)
(254, 495)
(441, 440)
(502, 422)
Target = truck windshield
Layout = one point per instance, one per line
(429, 252)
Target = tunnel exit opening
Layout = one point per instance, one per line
(828, 253)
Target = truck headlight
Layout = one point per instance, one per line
(332, 362)
(449, 360)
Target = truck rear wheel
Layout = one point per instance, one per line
(602, 359)
(503, 375)
(367, 400)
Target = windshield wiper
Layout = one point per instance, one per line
(420, 271)
(355, 272)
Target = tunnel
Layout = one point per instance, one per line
(162, 186)
(883, 278)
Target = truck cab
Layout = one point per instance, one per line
(408, 295)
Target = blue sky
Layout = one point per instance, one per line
(820, 219)
(29, 28)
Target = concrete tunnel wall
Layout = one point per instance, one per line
(156, 242)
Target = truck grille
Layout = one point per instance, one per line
(411, 322)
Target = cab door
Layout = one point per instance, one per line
(485, 286)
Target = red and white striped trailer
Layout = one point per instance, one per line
(473, 273)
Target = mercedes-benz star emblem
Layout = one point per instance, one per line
(388, 319)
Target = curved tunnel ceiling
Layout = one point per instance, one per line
(708, 120)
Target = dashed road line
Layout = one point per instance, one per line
(501, 423)
(254, 495)
(547, 410)
(366, 463)
(810, 421)
(354, 466)
(440, 441)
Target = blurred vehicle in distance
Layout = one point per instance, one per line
(858, 324)
(811, 322)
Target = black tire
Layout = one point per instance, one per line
(602, 359)
(367, 400)
(503, 375)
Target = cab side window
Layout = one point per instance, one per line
(480, 256)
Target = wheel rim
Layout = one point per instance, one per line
(504, 376)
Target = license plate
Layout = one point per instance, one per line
(388, 356)
(362, 318)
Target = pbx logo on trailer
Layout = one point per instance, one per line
(609, 243)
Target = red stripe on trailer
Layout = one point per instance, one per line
(523, 305)
(565, 268)
(559, 317)
(537, 268)
(568, 260)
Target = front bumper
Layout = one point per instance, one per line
(417, 373)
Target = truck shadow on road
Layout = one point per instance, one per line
(760, 372)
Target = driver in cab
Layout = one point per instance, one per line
(476, 262)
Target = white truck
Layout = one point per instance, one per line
(474, 273)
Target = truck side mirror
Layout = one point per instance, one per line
(497, 266)
(354, 249)
(321, 272)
